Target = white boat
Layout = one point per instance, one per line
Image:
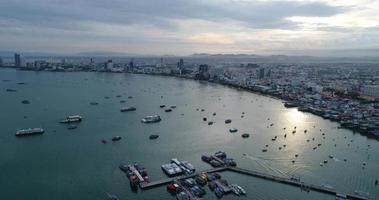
(72, 119)
(151, 119)
(29, 131)
(126, 109)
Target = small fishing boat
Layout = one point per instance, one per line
(152, 137)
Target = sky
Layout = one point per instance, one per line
(183, 27)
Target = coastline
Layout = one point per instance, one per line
(287, 102)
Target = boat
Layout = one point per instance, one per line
(228, 121)
(171, 169)
(116, 138)
(183, 196)
(173, 107)
(72, 119)
(11, 90)
(162, 106)
(212, 185)
(234, 189)
(25, 102)
(103, 141)
(29, 131)
(245, 135)
(218, 192)
(173, 188)
(187, 167)
(127, 109)
(341, 197)
(198, 191)
(112, 197)
(151, 119)
(233, 130)
(241, 190)
(201, 179)
(264, 150)
(290, 104)
(331, 156)
(210, 123)
(168, 110)
(93, 103)
(152, 137)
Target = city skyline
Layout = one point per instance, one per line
(185, 27)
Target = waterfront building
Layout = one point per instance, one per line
(181, 65)
(370, 91)
(109, 65)
(17, 60)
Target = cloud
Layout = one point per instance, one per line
(211, 38)
(175, 26)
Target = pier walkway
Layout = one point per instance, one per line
(152, 184)
(284, 180)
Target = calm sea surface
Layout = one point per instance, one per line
(74, 164)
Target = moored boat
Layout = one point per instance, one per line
(151, 119)
(72, 119)
(127, 109)
(29, 131)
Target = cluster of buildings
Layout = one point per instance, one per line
(344, 92)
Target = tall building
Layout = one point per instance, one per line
(17, 60)
(181, 66)
(203, 69)
(261, 73)
(109, 65)
(180, 63)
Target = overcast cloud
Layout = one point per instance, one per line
(185, 26)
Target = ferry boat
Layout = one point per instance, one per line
(29, 131)
(127, 109)
(151, 119)
(72, 119)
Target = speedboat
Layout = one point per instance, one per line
(233, 130)
(116, 138)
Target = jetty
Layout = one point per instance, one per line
(279, 179)
(169, 180)
(136, 172)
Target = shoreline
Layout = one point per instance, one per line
(287, 103)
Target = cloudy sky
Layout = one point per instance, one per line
(184, 27)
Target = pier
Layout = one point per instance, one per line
(153, 184)
(136, 172)
(284, 180)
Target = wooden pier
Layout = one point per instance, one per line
(284, 180)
